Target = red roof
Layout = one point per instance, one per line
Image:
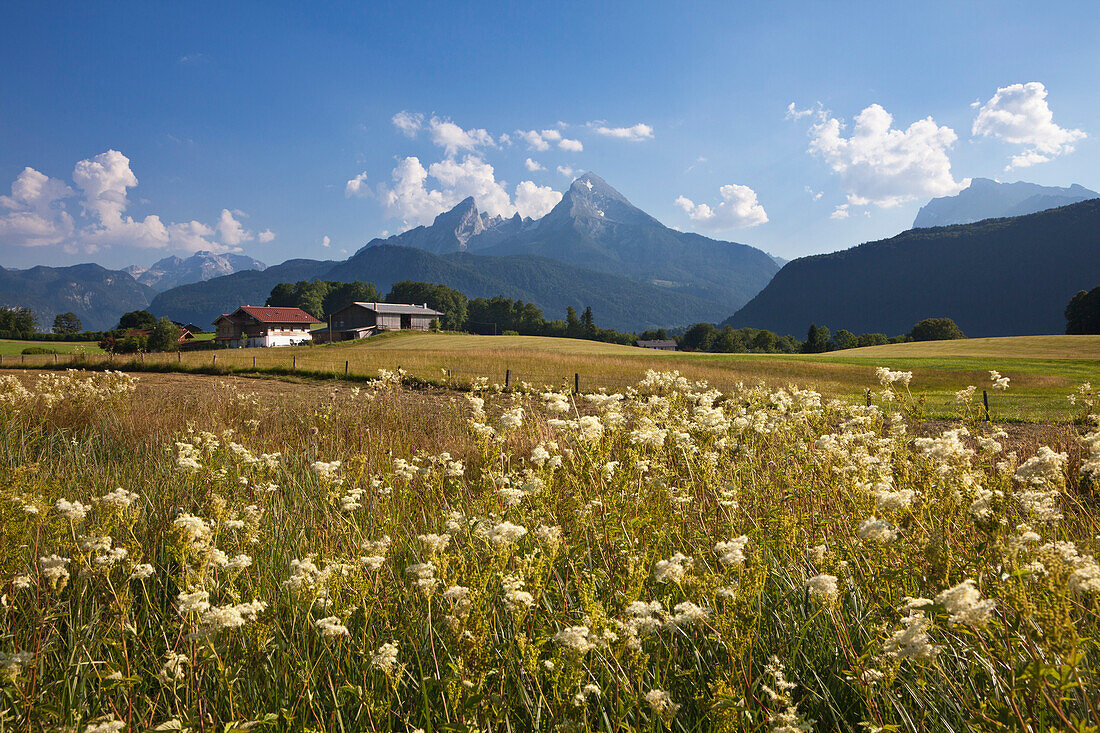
(265, 314)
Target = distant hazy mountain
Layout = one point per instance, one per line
(97, 296)
(597, 228)
(174, 271)
(617, 302)
(593, 249)
(201, 302)
(999, 277)
(986, 199)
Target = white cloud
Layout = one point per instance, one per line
(453, 138)
(539, 139)
(738, 209)
(230, 230)
(416, 202)
(358, 187)
(325, 241)
(635, 133)
(409, 123)
(566, 171)
(794, 113)
(37, 216)
(840, 212)
(266, 236)
(533, 165)
(885, 166)
(473, 177)
(1019, 114)
(573, 146)
(535, 201)
(815, 195)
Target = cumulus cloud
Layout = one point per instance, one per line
(566, 171)
(409, 123)
(265, 236)
(453, 138)
(815, 195)
(230, 230)
(36, 214)
(885, 166)
(358, 187)
(415, 201)
(325, 241)
(573, 146)
(533, 165)
(1019, 115)
(535, 201)
(738, 209)
(840, 212)
(635, 133)
(539, 139)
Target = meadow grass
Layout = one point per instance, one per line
(1043, 369)
(9, 347)
(186, 552)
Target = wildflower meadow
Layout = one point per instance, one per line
(665, 557)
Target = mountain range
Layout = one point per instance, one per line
(96, 295)
(173, 271)
(593, 249)
(986, 199)
(997, 277)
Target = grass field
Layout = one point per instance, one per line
(1043, 370)
(10, 347)
(215, 553)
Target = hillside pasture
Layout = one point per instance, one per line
(13, 346)
(1043, 370)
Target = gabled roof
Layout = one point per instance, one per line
(272, 314)
(398, 308)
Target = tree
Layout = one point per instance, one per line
(817, 340)
(699, 337)
(936, 329)
(572, 323)
(844, 339)
(164, 336)
(66, 323)
(1083, 312)
(872, 339)
(18, 322)
(142, 320)
(588, 323)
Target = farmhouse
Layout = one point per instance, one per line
(360, 320)
(252, 325)
(662, 344)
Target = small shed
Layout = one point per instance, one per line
(662, 344)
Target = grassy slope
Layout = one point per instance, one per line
(8, 346)
(1043, 370)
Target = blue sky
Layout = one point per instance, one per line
(238, 126)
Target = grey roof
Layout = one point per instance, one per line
(399, 308)
(657, 344)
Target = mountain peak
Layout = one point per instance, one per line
(988, 199)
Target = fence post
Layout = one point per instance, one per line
(346, 367)
(985, 401)
(576, 384)
(507, 378)
(179, 357)
(253, 362)
(22, 358)
(215, 361)
(294, 362)
(55, 357)
(868, 392)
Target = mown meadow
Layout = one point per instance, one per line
(187, 552)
